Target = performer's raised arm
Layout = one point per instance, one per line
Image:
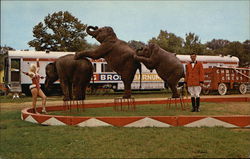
(30, 74)
(26, 73)
(37, 65)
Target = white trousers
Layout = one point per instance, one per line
(194, 91)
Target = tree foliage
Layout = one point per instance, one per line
(60, 32)
(192, 44)
(242, 51)
(136, 44)
(217, 44)
(168, 41)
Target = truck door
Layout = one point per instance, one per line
(15, 70)
(14, 77)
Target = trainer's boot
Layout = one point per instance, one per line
(193, 104)
(197, 104)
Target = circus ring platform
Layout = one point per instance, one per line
(229, 121)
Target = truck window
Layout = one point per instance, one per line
(15, 70)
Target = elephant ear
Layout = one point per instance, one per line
(52, 67)
(139, 50)
(153, 48)
(110, 32)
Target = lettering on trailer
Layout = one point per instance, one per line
(115, 77)
(107, 77)
(227, 75)
(148, 77)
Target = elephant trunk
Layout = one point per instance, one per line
(49, 83)
(139, 51)
(92, 30)
(46, 84)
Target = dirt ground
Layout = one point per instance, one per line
(17, 105)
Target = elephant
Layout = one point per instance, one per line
(74, 76)
(118, 54)
(166, 64)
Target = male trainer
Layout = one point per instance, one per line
(194, 79)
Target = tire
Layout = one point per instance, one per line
(114, 87)
(243, 88)
(222, 89)
(205, 91)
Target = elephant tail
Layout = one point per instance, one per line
(93, 79)
(140, 71)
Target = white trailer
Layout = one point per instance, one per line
(18, 61)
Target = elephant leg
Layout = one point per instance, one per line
(83, 92)
(127, 91)
(76, 91)
(95, 54)
(175, 93)
(127, 84)
(172, 81)
(65, 89)
(128, 77)
(70, 91)
(79, 88)
(80, 92)
(148, 62)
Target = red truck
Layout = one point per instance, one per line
(222, 79)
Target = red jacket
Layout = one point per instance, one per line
(194, 75)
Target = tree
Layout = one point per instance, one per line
(246, 60)
(217, 44)
(168, 41)
(136, 44)
(60, 32)
(192, 44)
(242, 51)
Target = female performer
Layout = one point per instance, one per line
(35, 87)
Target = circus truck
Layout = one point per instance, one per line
(224, 79)
(222, 75)
(104, 76)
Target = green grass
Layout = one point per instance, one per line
(163, 110)
(21, 140)
(22, 99)
(136, 94)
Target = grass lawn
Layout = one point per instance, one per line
(136, 94)
(21, 140)
(25, 140)
(225, 108)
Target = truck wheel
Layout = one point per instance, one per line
(114, 87)
(243, 88)
(205, 91)
(222, 88)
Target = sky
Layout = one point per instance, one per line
(132, 20)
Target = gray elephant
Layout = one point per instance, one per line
(118, 54)
(166, 64)
(73, 74)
